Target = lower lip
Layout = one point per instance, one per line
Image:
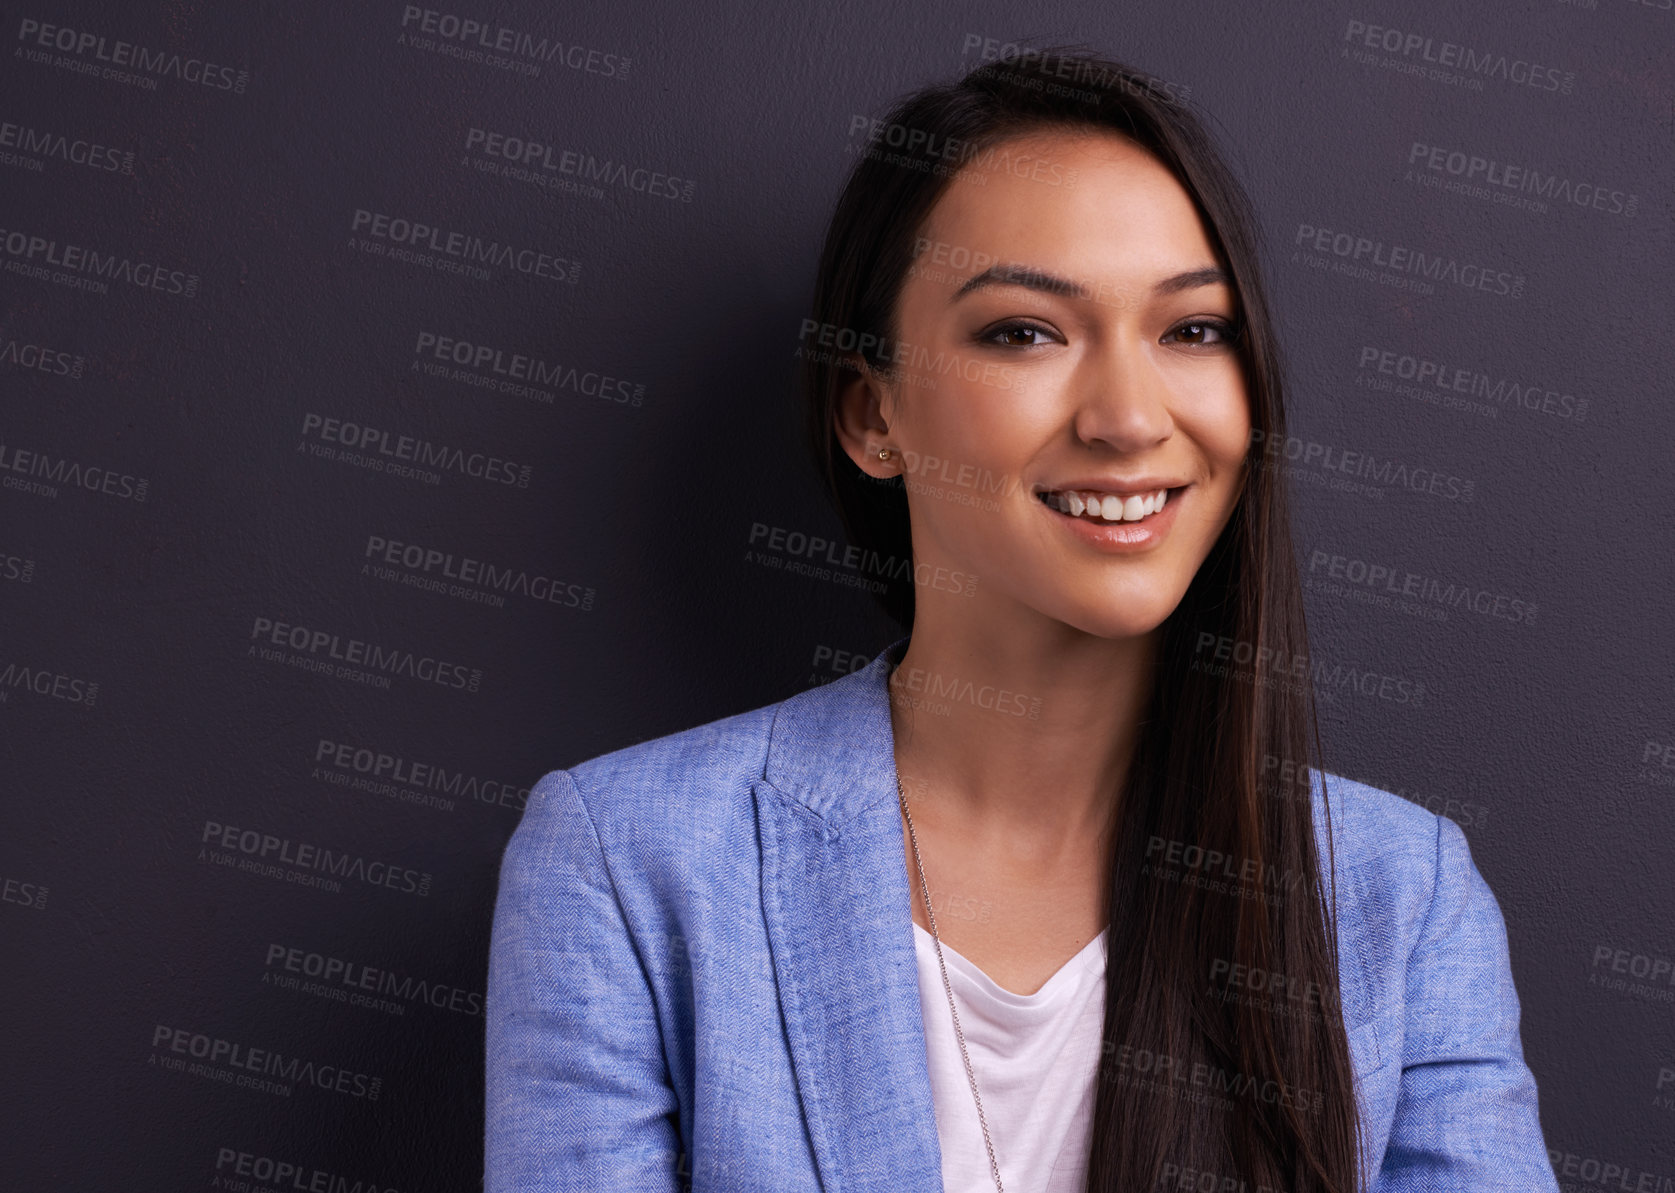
(1120, 537)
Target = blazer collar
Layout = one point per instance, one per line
(832, 748)
(838, 909)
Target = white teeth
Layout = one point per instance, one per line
(1108, 506)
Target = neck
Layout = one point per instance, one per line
(1021, 733)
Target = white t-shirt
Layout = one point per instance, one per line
(1034, 1056)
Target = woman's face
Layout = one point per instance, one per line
(1063, 349)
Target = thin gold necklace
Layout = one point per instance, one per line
(994, 1166)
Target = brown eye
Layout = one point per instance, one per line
(1202, 333)
(1017, 335)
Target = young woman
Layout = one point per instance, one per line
(1052, 896)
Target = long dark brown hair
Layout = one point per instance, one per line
(1214, 870)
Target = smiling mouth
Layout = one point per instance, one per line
(1092, 506)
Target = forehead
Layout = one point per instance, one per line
(1087, 203)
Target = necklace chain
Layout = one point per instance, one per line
(930, 914)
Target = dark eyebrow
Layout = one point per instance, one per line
(1192, 280)
(1048, 283)
(1020, 275)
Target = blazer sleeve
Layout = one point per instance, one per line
(1466, 1116)
(578, 1092)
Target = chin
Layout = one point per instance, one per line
(1116, 621)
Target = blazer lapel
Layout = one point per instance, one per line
(838, 909)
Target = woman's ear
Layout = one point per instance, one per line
(858, 419)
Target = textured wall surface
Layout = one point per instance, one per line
(396, 403)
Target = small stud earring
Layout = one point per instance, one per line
(883, 453)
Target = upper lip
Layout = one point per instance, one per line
(1111, 484)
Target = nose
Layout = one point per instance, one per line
(1122, 399)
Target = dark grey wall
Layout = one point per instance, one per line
(173, 492)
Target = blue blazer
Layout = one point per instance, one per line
(702, 975)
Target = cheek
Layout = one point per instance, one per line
(980, 423)
(1217, 417)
